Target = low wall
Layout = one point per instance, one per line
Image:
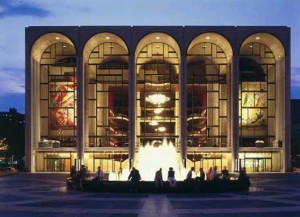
(192, 186)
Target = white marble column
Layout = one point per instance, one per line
(80, 109)
(132, 109)
(287, 115)
(234, 112)
(183, 108)
(283, 118)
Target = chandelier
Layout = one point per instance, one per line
(158, 110)
(157, 98)
(153, 123)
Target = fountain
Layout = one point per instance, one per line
(151, 157)
(159, 154)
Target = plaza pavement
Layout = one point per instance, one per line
(24, 195)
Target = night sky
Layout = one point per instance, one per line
(15, 15)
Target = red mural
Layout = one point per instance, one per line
(62, 106)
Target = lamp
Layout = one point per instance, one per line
(161, 129)
(158, 110)
(157, 98)
(153, 123)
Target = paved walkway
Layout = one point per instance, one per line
(24, 195)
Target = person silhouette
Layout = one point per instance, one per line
(134, 178)
(158, 179)
(190, 174)
(171, 177)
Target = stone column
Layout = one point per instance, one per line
(28, 110)
(234, 121)
(183, 108)
(36, 112)
(132, 108)
(283, 118)
(287, 91)
(80, 109)
(32, 111)
(287, 113)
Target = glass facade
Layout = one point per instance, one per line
(157, 94)
(55, 161)
(207, 96)
(108, 119)
(58, 111)
(257, 96)
(100, 101)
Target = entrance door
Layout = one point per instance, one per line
(257, 164)
(57, 164)
(107, 165)
(210, 162)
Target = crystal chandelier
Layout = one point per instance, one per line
(158, 110)
(153, 123)
(157, 98)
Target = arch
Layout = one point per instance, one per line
(105, 56)
(163, 42)
(261, 68)
(250, 70)
(101, 38)
(46, 40)
(157, 37)
(208, 65)
(213, 38)
(157, 61)
(272, 42)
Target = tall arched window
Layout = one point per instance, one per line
(261, 67)
(58, 95)
(257, 95)
(208, 71)
(107, 78)
(157, 64)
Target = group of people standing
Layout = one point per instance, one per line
(212, 174)
(77, 177)
(135, 177)
(159, 178)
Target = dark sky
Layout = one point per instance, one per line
(15, 15)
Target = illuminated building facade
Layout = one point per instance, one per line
(96, 94)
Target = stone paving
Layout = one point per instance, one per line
(24, 195)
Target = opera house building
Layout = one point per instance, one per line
(158, 96)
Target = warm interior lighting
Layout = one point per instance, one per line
(165, 156)
(158, 110)
(57, 38)
(207, 37)
(64, 46)
(161, 129)
(157, 85)
(157, 98)
(157, 37)
(153, 123)
(107, 38)
(257, 38)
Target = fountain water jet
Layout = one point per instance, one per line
(151, 157)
